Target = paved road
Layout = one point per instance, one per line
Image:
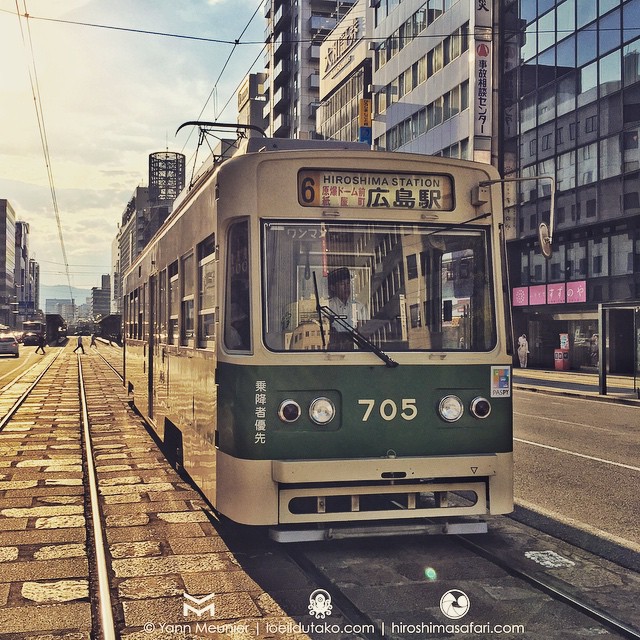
(577, 460)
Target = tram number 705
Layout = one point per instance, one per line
(388, 409)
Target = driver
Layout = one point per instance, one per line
(344, 305)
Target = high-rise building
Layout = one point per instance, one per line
(295, 31)
(8, 299)
(251, 102)
(101, 299)
(34, 283)
(570, 109)
(25, 304)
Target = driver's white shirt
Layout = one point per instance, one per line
(351, 311)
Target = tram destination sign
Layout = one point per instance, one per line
(364, 189)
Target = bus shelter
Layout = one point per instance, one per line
(619, 343)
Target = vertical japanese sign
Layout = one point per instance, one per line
(261, 412)
(482, 74)
(364, 121)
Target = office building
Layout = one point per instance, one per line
(433, 77)
(7, 263)
(570, 109)
(346, 57)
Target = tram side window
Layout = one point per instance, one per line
(141, 312)
(134, 310)
(207, 293)
(174, 303)
(162, 307)
(187, 304)
(237, 320)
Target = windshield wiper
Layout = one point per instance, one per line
(356, 337)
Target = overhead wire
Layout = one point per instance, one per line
(236, 42)
(37, 100)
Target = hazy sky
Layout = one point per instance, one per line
(109, 98)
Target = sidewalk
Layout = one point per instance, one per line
(576, 383)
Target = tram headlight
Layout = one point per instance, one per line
(451, 408)
(289, 411)
(322, 411)
(480, 407)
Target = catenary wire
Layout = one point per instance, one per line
(37, 99)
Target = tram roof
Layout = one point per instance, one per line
(228, 148)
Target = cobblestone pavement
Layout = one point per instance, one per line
(162, 539)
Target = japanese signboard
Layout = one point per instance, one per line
(559, 293)
(482, 73)
(261, 412)
(323, 188)
(483, 89)
(364, 113)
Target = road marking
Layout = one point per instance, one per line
(572, 424)
(579, 455)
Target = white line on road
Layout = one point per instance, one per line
(572, 522)
(552, 419)
(579, 455)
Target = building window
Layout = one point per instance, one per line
(412, 267)
(621, 254)
(599, 254)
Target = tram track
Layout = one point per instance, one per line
(552, 588)
(343, 569)
(20, 387)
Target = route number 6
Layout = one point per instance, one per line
(389, 409)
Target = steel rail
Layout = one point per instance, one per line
(18, 403)
(111, 366)
(583, 607)
(104, 593)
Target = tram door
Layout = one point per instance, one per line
(153, 284)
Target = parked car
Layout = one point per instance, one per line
(9, 344)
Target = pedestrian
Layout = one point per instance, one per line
(523, 350)
(41, 343)
(93, 342)
(79, 345)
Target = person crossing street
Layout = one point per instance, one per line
(79, 345)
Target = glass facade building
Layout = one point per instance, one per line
(570, 109)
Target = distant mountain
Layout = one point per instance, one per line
(61, 292)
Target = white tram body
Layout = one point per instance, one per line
(234, 355)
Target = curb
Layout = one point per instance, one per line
(632, 402)
(607, 549)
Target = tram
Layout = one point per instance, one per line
(318, 335)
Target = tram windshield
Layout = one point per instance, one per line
(402, 287)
